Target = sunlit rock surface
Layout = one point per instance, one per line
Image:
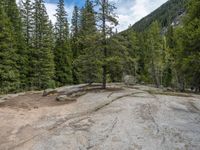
(134, 118)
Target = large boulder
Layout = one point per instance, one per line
(2, 100)
(49, 92)
(65, 98)
(129, 80)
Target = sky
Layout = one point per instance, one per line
(128, 11)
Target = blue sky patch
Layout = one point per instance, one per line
(79, 3)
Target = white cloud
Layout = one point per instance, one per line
(51, 10)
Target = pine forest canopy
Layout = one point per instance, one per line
(36, 54)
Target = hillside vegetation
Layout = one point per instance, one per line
(165, 15)
(168, 58)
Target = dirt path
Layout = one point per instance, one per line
(135, 118)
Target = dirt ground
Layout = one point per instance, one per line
(36, 100)
(31, 101)
(120, 118)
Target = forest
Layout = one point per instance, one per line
(36, 54)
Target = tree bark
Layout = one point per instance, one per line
(104, 43)
(155, 76)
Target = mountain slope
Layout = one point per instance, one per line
(165, 15)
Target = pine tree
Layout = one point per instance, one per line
(75, 40)
(13, 14)
(133, 54)
(75, 30)
(105, 15)
(119, 62)
(9, 74)
(88, 22)
(178, 59)
(60, 26)
(142, 72)
(183, 48)
(86, 66)
(172, 69)
(167, 68)
(26, 10)
(41, 55)
(62, 51)
(75, 21)
(191, 44)
(155, 53)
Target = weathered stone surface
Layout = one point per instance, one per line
(49, 92)
(129, 119)
(65, 98)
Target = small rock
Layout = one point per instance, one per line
(49, 91)
(65, 98)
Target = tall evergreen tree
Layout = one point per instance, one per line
(75, 30)
(41, 61)
(172, 76)
(86, 66)
(75, 21)
(62, 51)
(9, 75)
(88, 22)
(178, 59)
(183, 46)
(75, 40)
(191, 44)
(167, 68)
(155, 53)
(26, 10)
(133, 54)
(61, 25)
(106, 16)
(13, 14)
